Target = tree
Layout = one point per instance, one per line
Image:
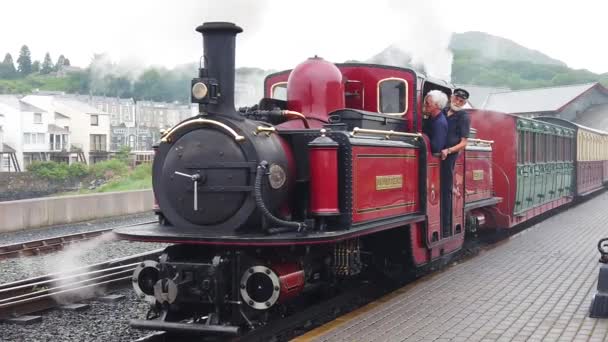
(24, 62)
(60, 63)
(149, 86)
(119, 86)
(66, 62)
(7, 68)
(35, 66)
(47, 65)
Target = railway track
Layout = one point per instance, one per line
(44, 292)
(48, 245)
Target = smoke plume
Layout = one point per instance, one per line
(422, 34)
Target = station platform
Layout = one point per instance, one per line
(536, 286)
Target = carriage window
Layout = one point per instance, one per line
(550, 148)
(540, 148)
(392, 96)
(529, 147)
(521, 150)
(541, 155)
(279, 91)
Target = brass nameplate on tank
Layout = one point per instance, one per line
(389, 182)
(477, 175)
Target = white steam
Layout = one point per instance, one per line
(248, 86)
(280, 34)
(72, 257)
(421, 33)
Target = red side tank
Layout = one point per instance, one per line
(323, 154)
(315, 88)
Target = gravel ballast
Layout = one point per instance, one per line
(96, 250)
(10, 238)
(102, 321)
(107, 322)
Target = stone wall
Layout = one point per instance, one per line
(41, 212)
(22, 185)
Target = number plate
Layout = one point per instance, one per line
(389, 182)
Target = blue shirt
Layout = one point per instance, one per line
(459, 125)
(439, 132)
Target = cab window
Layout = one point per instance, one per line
(392, 96)
(279, 91)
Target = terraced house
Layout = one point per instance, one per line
(26, 131)
(89, 127)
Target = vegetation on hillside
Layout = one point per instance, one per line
(496, 48)
(479, 58)
(469, 67)
(106, 176)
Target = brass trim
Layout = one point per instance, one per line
(407, 91)
(479, 157)
(388, 182)
(298, 115)
(478, 175)
(387, 134)
(386, 207)
(166, 138)
(404, 156)
(264, 129)
(480, 141)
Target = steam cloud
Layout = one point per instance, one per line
(423, 35)
(279, 35)
(72, 258)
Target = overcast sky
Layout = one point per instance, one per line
(279, 34)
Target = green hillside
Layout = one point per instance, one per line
(483, 59)
(491, 47)
(468, 67)
(479, 58)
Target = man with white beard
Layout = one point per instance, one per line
(459, 125)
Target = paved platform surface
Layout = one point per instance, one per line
(537, 286)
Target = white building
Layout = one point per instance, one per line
(89, 127)
(25, 134)
(121, 111)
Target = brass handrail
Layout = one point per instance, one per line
(166, 138)
(387, 134)
(264, 129)
(489, 142)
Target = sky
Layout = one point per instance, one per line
(278, 34)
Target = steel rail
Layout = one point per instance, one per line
(48, 291)
(52, 244)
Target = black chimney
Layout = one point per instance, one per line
(219, 48)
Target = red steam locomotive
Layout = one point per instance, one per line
(329, 178)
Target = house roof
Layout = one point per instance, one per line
(479, 94)
(14, 102)
(594, 117)
(80, 106)
(7, 149)
(537, 100)
(59, 104)
(57, 129)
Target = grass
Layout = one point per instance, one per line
(42, 82)
(140, 178)
(137, 179)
